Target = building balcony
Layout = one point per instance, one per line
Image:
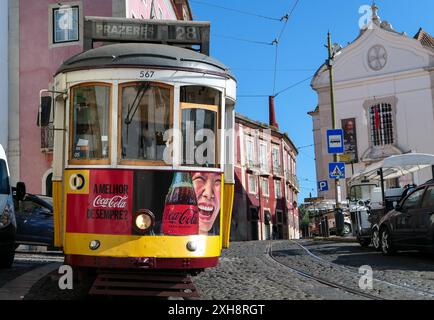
(252, 165)
(47, 138)
(265, 171)
(277, 171)
(293, 181)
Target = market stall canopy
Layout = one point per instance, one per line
(396, 166)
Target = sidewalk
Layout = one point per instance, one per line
(337, 239)
(19, 287)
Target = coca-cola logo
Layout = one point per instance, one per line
(115, 202)
(188, 216)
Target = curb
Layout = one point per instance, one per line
(16, 289)
(336, 239)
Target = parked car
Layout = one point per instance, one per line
(332, 223)
(411, 224)
(7, 212)
(34, 216)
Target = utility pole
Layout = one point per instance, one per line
(332, 98)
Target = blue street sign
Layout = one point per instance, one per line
(323, 185)
(335, 141)
(337, 170)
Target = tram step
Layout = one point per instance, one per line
(143, 284)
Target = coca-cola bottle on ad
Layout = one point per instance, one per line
(181, 215)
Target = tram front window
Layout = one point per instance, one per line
(90, 123)
(199, 123)
(146, 116)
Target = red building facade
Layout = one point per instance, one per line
(266, 187)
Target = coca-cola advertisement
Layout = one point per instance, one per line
(184, 203)
(181, 214)
(106, 208)
(139, 202)
(207, 187)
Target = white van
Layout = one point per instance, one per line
(8, 223)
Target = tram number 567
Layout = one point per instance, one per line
(147, 74)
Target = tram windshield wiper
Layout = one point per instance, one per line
(143, 88)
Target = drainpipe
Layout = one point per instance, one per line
(261, 214)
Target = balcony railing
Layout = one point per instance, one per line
(277, 171)
(47, 138)
(292, 179)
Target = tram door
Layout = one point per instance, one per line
(254, 219)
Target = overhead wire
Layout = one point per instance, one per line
(243, 39)
(293, 86)
(278, 40)
(236, 10)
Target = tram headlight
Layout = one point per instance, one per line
(145, 220)
(94, 245)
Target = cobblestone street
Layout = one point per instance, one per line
(247, 272)
(250, 271)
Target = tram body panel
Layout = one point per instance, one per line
(101, 205)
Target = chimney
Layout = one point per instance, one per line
(272, 114)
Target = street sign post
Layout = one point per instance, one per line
(335, 141)
(323, 186)
(337, 170)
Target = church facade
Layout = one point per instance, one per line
(384, 100)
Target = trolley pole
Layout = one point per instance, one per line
(332, 98)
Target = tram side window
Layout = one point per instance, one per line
(146, 116)
(90, 122)
(199, 124)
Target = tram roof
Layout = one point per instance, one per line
(144, 55)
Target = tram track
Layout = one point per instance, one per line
(39, 256)
(47, 253)
(321, 280)
(385, 282)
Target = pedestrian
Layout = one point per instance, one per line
(274, 234)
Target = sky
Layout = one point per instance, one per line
(300, 53)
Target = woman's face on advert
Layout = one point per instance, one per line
(207, 188)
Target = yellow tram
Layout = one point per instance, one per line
(143, 173)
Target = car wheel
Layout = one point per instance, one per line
(347, 228)
(7, 258)
(376, 240)
(386, 243)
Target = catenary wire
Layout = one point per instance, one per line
(236, 10)
(243, 40)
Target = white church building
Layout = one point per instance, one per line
(384, 100)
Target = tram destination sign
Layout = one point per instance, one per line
(100, 29)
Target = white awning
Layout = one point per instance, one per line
(396, 166)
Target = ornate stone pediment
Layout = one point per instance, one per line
(377, 153)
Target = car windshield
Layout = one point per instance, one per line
(4, 178)
(361, 192)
